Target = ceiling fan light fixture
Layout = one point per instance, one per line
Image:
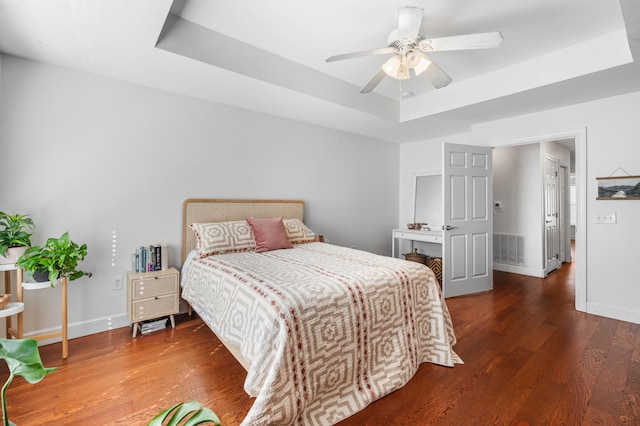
(410, 49)
(394, 67)
(416, 60)
(411, 58)
(422, 66)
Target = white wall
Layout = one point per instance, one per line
(517, 185)
(612, 129)
(98, 157)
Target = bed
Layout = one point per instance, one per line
(322, 330)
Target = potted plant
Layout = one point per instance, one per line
(59, 257)
(15, 236)
(23, 359)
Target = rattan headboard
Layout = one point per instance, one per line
(199, 210)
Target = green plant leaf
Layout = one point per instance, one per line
(15, 231)
(23, 359)
(59, 257)
(191, 413)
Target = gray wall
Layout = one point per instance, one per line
(111, 161)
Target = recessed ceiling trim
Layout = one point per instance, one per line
(565, 64)
(202, 44)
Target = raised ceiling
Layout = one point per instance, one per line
(270, 56)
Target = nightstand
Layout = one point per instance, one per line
(152, 295)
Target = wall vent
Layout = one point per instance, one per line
(509, 249)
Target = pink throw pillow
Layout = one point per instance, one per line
(269, 234)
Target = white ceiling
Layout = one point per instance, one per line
(269, 56)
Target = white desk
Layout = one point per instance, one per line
(434, 237)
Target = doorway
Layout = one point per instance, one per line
(576, 141)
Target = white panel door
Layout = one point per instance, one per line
(551, 233)
(468, 219)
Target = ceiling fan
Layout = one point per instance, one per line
(409, 46)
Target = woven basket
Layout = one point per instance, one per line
(416, 257)
(435, 264)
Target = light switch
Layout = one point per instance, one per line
(606, 218)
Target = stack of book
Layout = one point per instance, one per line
(153, 325)
(154, 257)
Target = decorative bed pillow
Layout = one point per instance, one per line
(297, 232)
(223, 237)
(269, 234)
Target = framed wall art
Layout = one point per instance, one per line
(619, 188)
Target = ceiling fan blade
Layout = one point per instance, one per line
(436, 76)
(343, 56)
(380, 75)
(462, 42)
(409, 21)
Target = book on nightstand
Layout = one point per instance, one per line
(154, 257)
(153, 325)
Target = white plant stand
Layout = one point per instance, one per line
(17, 308)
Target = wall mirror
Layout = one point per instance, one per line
(427, 199)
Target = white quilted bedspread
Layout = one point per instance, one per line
(327, 329)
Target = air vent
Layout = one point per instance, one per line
(509, 249)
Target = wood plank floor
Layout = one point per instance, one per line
(530, 359)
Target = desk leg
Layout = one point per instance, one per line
(65, 341)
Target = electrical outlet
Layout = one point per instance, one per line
(117, 283)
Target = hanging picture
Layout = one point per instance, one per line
(619, 188)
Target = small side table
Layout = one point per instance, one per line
(64, 332)
(153, 295)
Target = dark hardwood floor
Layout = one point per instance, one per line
(530, 359)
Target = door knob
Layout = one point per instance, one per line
(449, 227)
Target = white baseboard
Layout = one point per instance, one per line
(518, 270)
(608, 311)
(93, 326)
(84, 328)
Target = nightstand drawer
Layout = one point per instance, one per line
(154, 286)
(154, 307)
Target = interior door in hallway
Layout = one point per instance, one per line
(468, 219)
(551, 214)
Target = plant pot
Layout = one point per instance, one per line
(12, 255)
(40, 276)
